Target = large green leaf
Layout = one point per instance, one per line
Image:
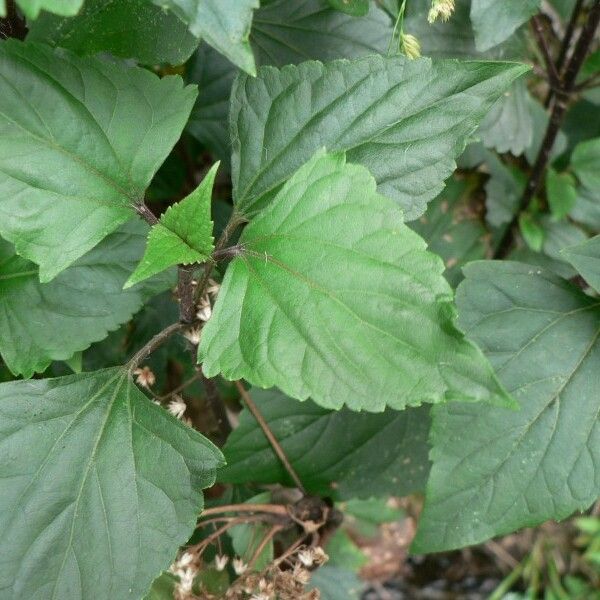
(100, 487)
(333, 297)
(406, 120)
(42, 322)
(496, 470)
(80, 139)
(495, 21)
(129, 28)
(224, 24)
(183, 235)
(285, 32)
(342, 454)
(585, 258)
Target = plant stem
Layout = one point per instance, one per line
(263, 544)
(146, 214)
(566, 42)
(213, 397)
(276, 509)
(561, 103)
(181, 387)
(538, 31)
(185, 291)
(269, 435)
(158, 340)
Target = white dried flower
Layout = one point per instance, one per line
(204, 310)
(306, 557)
(442, 9)
(177, 407)
(239, 566)
(213, 287)
(260, 596)
(145, 377)
(301, 575)
(193, 335)
(221, 561)
(185, 559)
(319, 556)
(410, 46)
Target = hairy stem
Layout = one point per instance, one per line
(158, 340)
(213, 397)
(146, 214)
(185, 291)
(269, 435)
(559, 109)
(540, 38)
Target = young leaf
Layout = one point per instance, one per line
(102, 486)
(153, 35)
(183, 234)
(333, 297)
(561, 192)
(532, 232)
(406, 120)
(496, 470)
(495, 21)
(360, 456)
(586, 163)
(585, 258)
(42, 322)
(80, 141)
(224, 24)
(31, 8)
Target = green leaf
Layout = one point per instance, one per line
(31, 8)
(153, 36)
(360, 455)
(406, 120)
(541, 118)
(344, 553)
(503, 190)
(224, 24)
(285, 32)
(508, 127)
(495, 21)
(585, 161)
(496, 470)
(336, 584)
(356, 8)
(105, 494)
(163, 587)
(453, 229)
(585, 258)
(561, 192)
(329, 280)
(532, 232)
(80, 140)
(183, 235)
(214, 75)
(43, 322)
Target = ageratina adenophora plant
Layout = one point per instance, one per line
(209, 207)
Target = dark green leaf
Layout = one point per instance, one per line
(496, 470)
(287, 32)
(42, 322)
(342, 454)
(128, 28)
(105, 493)
(224, 24)
(495, 21)
(406, 120)
(183, 235)
(329, 279)
(80, 139)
